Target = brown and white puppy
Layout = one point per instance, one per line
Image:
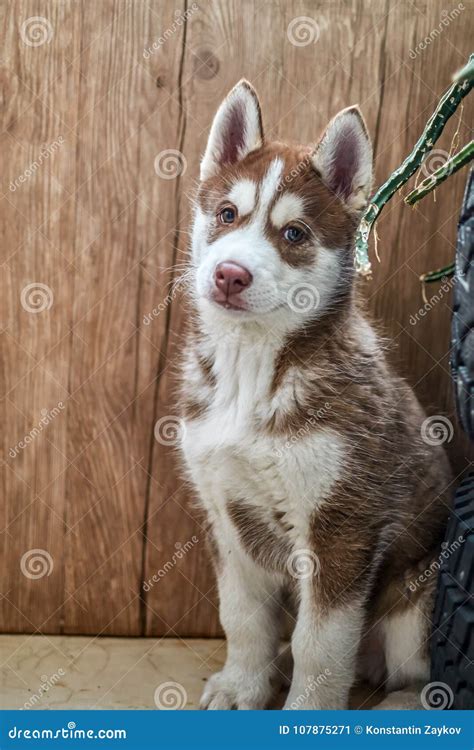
(305, 448)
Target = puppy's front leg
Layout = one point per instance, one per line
(248, 613)
(324, 644)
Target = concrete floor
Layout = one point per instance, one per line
(39, 672)
(103, 673)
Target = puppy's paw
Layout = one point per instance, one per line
(235, 689)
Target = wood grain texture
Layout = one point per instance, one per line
(103, 224)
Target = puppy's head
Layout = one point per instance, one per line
(274, 224)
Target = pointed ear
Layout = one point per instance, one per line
(343, 158)
(236, 130)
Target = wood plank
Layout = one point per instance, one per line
(113, 366)
(38, 106)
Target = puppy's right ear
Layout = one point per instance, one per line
(343, 158)
(236, 130)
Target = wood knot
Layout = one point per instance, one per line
(206, 64)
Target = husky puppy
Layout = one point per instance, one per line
(309, 455)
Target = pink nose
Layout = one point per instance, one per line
(232, 278)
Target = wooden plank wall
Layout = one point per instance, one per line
(91, 228)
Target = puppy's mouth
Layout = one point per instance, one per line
(238, 305)
(233, 302)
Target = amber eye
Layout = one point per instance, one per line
(227, 215)
(294, 234)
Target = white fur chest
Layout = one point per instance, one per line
(232, 459)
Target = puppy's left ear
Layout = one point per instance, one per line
(343, 158)
(236, 130)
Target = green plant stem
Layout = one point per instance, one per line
(433, 129)
(464, 156)
(466, 72)
(440, 273)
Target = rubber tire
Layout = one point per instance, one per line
(452, 640)
(462, 325)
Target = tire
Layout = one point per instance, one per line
(462, 326)
(452, 640)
